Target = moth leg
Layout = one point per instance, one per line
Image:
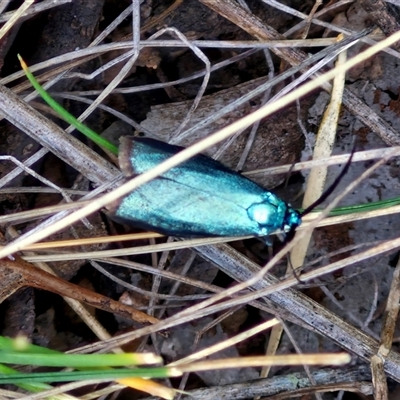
(294, 272)
(286, 238)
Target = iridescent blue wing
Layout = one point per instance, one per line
(200, 197)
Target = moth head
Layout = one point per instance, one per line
(291, 220)
(273, 215)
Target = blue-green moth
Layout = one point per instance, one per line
(200, 197)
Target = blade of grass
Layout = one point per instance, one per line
(89, 133)
(78, 360)
(31, 350)
(30, 387)
(106, 375)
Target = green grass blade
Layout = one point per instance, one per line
(20, 351)
(23, 345)
(112, 374)
(77, 360)
(89, 133)
(376, 205)
(30, 387)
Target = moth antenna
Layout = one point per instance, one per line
(332, 187)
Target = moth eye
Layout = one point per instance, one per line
(260, 213)
(292, 220)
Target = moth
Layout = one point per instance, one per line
(199, 198)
